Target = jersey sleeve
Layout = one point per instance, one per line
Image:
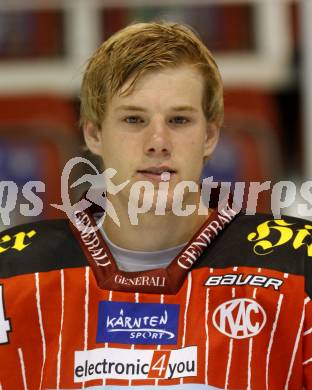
(307, 327)
(307, 345)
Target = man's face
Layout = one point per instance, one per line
(160, 126)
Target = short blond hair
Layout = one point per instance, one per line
(144, 47)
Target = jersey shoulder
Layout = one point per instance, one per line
(39, 247)
(260, 240)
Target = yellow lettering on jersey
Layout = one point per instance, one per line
(3, 240)
(19, 243)
(263, 237)
(300, 239)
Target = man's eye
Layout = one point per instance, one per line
(133, 119)
(179, 120)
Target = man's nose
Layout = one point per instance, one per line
(158, 139)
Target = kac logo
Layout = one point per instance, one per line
(137, 323)
(239, 318)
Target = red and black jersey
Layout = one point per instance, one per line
(232, 310)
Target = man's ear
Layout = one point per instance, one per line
(212, 138)
(93, 138)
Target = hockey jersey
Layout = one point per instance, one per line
(233, 310)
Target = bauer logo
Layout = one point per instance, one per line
(137, 323)
(239, 318)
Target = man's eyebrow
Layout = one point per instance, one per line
(184, 108)
(130, 108)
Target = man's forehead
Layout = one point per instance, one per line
(168, 75)
(180, 89)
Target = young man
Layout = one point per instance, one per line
(180, 297)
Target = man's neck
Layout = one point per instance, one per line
(152, 232)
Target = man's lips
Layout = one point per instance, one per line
(157, 170)
(156, 173)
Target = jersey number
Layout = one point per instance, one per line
(5, 326)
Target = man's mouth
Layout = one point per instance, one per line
(157, 173)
